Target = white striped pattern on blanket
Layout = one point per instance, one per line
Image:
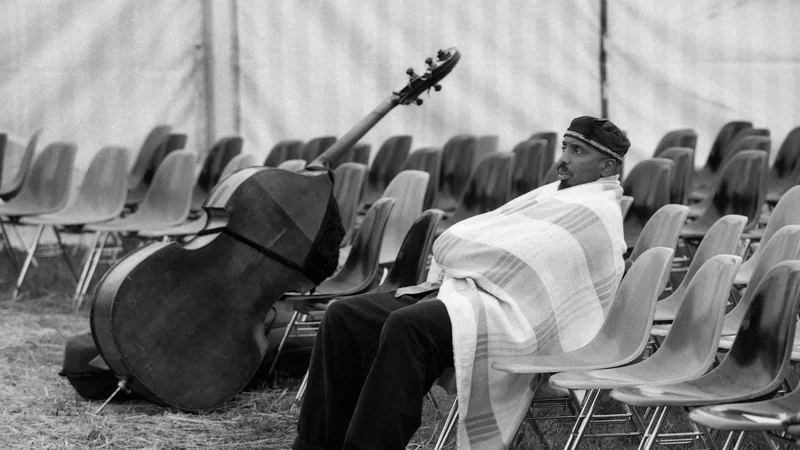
(535, 276)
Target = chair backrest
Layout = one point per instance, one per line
(284, 151)
(680, 184)
(48, 186)
(721, 239)
(749, 142)
(347, 186)
(169, 197)
(409, 266)
(488, 187)
(786, 212)
(458, 155)
(662, 230)
(551, 176)
(358, 153)
(483, 146)
(105, 185)
(648, 184)
(549, 152)
(316, 147)
(625, 203)
(16, 165)
(387, 164)
(238, 162)
(760, 353)
(361, 266)
(787, 161)
(696, 329)
(293, 165)
(528, 159)
(427, 159)
(155, 139)
(175, 141)
(718, 149)
(740, 189)
(217, 158)
(408, 189)
(685, 137)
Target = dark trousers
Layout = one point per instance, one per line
(374, 359)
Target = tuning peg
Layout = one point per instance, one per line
(441, 54)
(437, 87)
(429, 61)
(410, 71)
(418, 101)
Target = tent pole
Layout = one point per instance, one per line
(603, 75)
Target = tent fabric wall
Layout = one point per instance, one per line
(311, 68)
(98, 72)
(700, 64)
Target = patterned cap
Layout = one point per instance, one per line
(601, 134)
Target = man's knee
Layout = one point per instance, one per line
(401, 322)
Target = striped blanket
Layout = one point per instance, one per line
(535, 276)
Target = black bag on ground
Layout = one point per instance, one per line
(86, 371)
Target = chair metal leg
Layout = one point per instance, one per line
(87, 261)
(95, 261)
(28, 258)
(9, 249)
(65, 254)
(289, 327)
(652, 428)
(583, 419)
(447, 426)
(302, 389)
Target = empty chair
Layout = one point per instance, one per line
(755, 366)
(457, 161)
(316, 147)
(348, 184)
(785, 170)
(551, 176)
(685, 137)
(238, 162)
(740, 189)
(284, 151)
(484, 145)
(648, 184)
(293, 165)
(718, 149)
(408, 189)
(680, 183)
(662, 230)
(686, 353)
(529, 156)
(358, 153)
(428, 159)
(391, 156)
(749, 142)
(549, 151)
(16, 163)
(155, 139)
(173, 142)
(218, 157)
(625, 203)
(47, 187)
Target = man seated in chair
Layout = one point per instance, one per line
(534, 276)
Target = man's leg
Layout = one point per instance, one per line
(416, 345)
(340, 360)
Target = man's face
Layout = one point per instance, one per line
(579, 163)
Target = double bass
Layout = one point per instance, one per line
(183, 324)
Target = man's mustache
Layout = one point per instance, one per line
(562, 169)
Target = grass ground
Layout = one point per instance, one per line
(40, 410)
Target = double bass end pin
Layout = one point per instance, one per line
(121, 384)
(437, 87)
(418, 101)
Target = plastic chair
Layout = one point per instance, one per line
(484, 145)
(47, 187)
(785, 170)
(358, 153)
(359, 273)
(428, 159)
(685, 137)
(755, 366)
(722, 239)
(551, 176)
(385, 167)
(347, 187)
(549, 151)
(218, 157)
(100, 197)
(740, 189)
(16, 164)
(680, 183)
(458, 155)
(316, 147)
(625, 203)
(293, 165)
(238, 162)
(648, 184)
(686, 353)
(284, 151)
(488, 188)
(156, 138)
(661, 230)
(408, 189)
(749, 142)
(173, 142)
(529, 156)
(786, 212)
(623, 336)
(718, 150)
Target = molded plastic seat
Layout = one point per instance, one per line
(705, 176)
(316, 147)
(47, 186)
(749, 142)
(488, 188)
(758, 360)
(293, 165)
(662, 230)
(685, 137)
(409, 266)
(740, 190)
(458, 157)
(648, 184)
(625, 203)
(786, 212)
(722, 239)
(680, 183)
(358, 153)
(218, 157)
(347, 187)
(549, 152)
(551, 176)
(428, 159)
(16, 165)
(785, 170)
(238, 162)
(173, 142)
(529, 156)
(484, 145)
(408, 189)
(152, 142)
(284, 151)
(387, 164)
